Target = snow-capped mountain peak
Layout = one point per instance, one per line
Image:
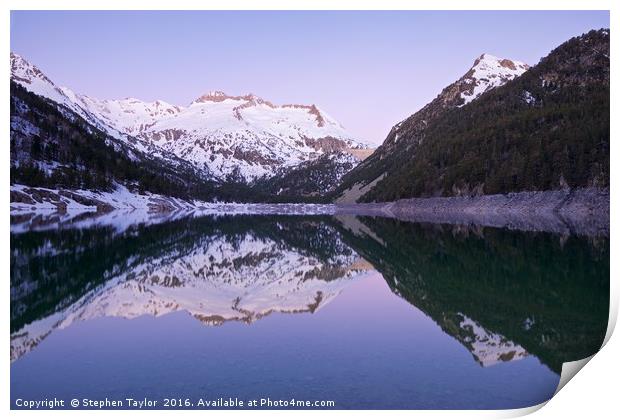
(23, 71)
(219, 96)
(487, 73)
(34, 80)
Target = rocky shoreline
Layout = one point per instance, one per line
(580, 211)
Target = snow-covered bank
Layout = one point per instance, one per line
(46, 200)
(34, 208)
(25, 199)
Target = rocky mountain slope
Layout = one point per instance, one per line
(53, 146)
(308, 181)
(547, 129)
(243, 137)
(231, 138)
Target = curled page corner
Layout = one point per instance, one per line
(569, 370)
(520, 412)
(613, 316)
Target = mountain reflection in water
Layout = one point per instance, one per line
(504, 296)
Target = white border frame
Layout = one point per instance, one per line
(596, 385)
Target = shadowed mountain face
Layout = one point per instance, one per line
(502, 295)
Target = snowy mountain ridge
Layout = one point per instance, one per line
(237, 138)
(34, 80)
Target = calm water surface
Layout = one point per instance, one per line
(366, 312)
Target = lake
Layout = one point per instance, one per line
(367, 312)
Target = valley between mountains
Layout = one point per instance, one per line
(533, 135)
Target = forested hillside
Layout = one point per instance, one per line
(547, 129)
